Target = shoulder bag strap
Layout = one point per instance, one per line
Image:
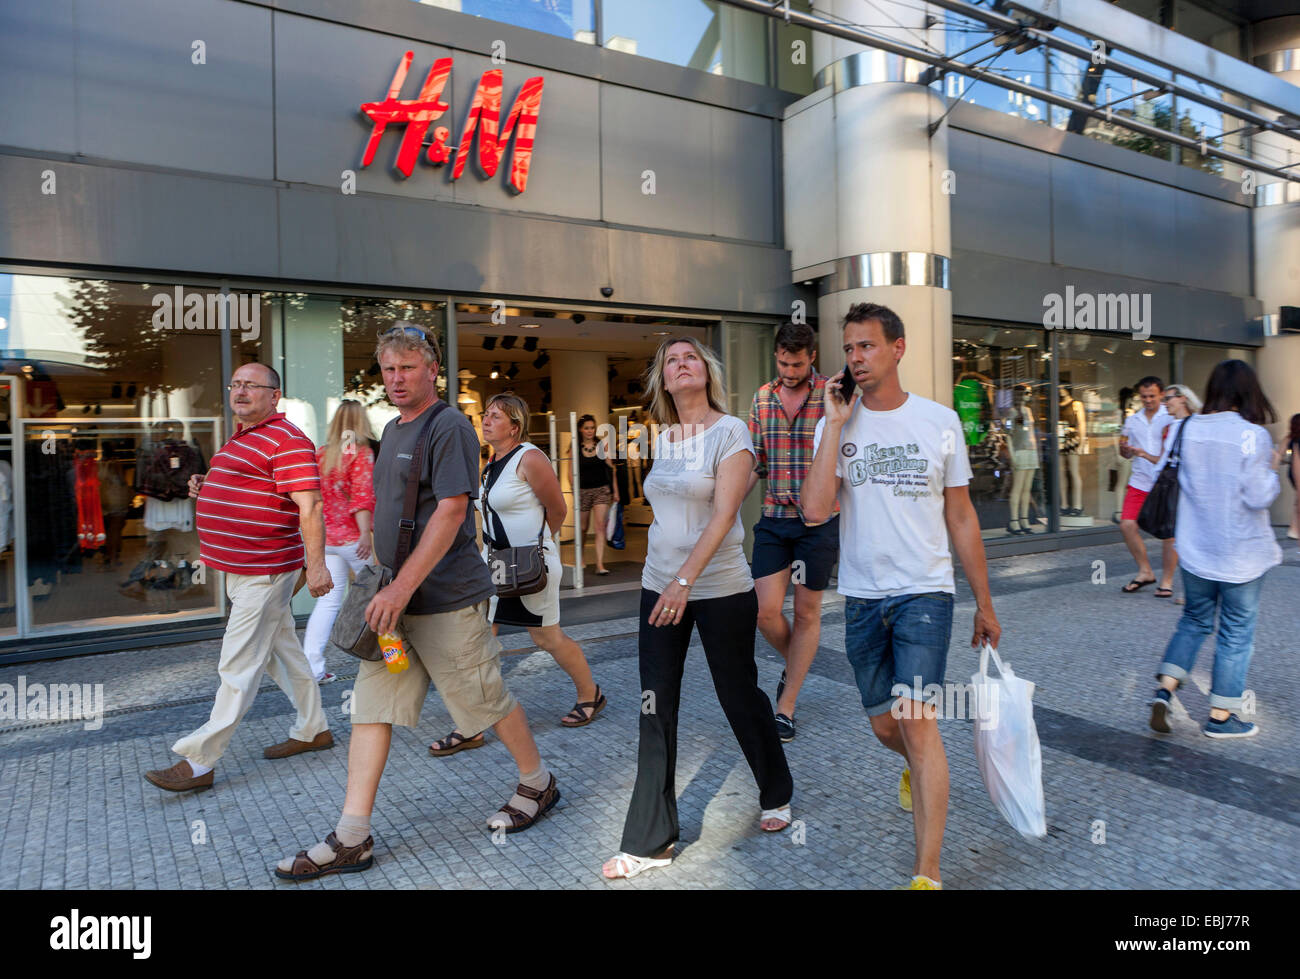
(406, 526)
(1175, 453)
(490, 475)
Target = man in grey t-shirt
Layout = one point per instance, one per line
(437, 602)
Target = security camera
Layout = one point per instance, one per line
(607, 291)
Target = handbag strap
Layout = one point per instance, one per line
(406, 526)
(1175, 453)
(492, 522)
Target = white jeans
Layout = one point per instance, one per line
(339, 559)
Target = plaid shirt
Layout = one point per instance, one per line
(784, 449)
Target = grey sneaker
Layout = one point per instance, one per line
(1231, 727)
(785, 728)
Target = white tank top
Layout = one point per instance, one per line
(515, 504)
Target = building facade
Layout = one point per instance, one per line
(193, 186)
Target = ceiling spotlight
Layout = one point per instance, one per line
(489, 343)
(530, 326)
(1148, 352)
(508, 343)
(530, 344)
(130, 390)
(117, 390)
(496, 371)
(613, 373)
(545, 384)
(542, 360)
(511, 371)
(579, 318)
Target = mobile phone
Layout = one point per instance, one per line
(845, 385)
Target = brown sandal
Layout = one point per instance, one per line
(455, 742)
(578, 717)
(519, 821)
(347, 860)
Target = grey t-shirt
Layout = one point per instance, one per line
(462, 577)
(680, 491)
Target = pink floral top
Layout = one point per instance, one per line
(345, 489)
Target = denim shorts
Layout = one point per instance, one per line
(897, 643)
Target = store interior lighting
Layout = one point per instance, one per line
(530, 344)
(489, 343)
(496, 371)
(511, 371)
(508, 343)
(542, 360)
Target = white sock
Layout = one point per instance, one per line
(198, 769)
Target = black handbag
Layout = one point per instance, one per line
(350, 632)
(515, 571)
(1159, 513)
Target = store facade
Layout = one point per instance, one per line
(223, 181)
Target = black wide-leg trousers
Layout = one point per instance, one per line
(727, 626)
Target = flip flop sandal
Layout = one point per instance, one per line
(455, 742)
(1164, 593)
(520, 821)
(627, 866)
(1136, 585)
(578, 717)
(347, 860)
(782, 813)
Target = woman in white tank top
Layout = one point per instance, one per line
(523, 498)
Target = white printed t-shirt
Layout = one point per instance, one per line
(893, 468)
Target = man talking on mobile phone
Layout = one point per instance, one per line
(896, 463)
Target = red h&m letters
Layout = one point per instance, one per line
(484, 116)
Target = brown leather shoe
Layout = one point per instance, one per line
(295, 747)
(179, 778)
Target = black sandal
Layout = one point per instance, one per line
(1136, 585)
(520, 821)
(1164, 593)
(455, 742)
(578, 717)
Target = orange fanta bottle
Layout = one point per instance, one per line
(394, 652)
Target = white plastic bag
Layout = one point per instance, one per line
(1006, 745)
(611, 523)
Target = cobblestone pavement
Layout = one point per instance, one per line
(1176, 811)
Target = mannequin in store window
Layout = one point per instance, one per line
(1024, 459)
(1072, 431)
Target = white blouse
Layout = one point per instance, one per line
(1226, 485)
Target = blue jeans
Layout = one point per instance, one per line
(897, 646)
(1238, 608)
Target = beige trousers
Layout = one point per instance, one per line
(260, 638)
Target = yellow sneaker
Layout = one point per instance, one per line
(921, 883)
(905, 790)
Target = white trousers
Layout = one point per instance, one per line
(339, 559)
(260, 638)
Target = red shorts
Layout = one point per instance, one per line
(1133, 500)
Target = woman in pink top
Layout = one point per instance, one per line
(347, 469)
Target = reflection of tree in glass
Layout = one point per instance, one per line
(361, 320)
(1162, 117)
(115, 322)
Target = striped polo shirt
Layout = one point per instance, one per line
(246, 521)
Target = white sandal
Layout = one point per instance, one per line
(629, 866)
(783, 813)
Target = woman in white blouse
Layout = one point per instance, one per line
(1227, 481)
(696, 576)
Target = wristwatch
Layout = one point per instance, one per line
(681, 581)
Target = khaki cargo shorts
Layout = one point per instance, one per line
(459, 653)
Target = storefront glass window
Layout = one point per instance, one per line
(1029, 67)
(114, 397)
(1000, 387)
(708, 36)
(1199, 359)
(563, 18)
(1098, 375)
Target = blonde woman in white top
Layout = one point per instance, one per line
(696, 576)
(524, 500)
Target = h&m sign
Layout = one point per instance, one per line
(484, 118)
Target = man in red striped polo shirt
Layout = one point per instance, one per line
(257, 507)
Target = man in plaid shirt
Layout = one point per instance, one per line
(782, 421)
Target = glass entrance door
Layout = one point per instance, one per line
(10, 490)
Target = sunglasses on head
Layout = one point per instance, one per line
(411, 331)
